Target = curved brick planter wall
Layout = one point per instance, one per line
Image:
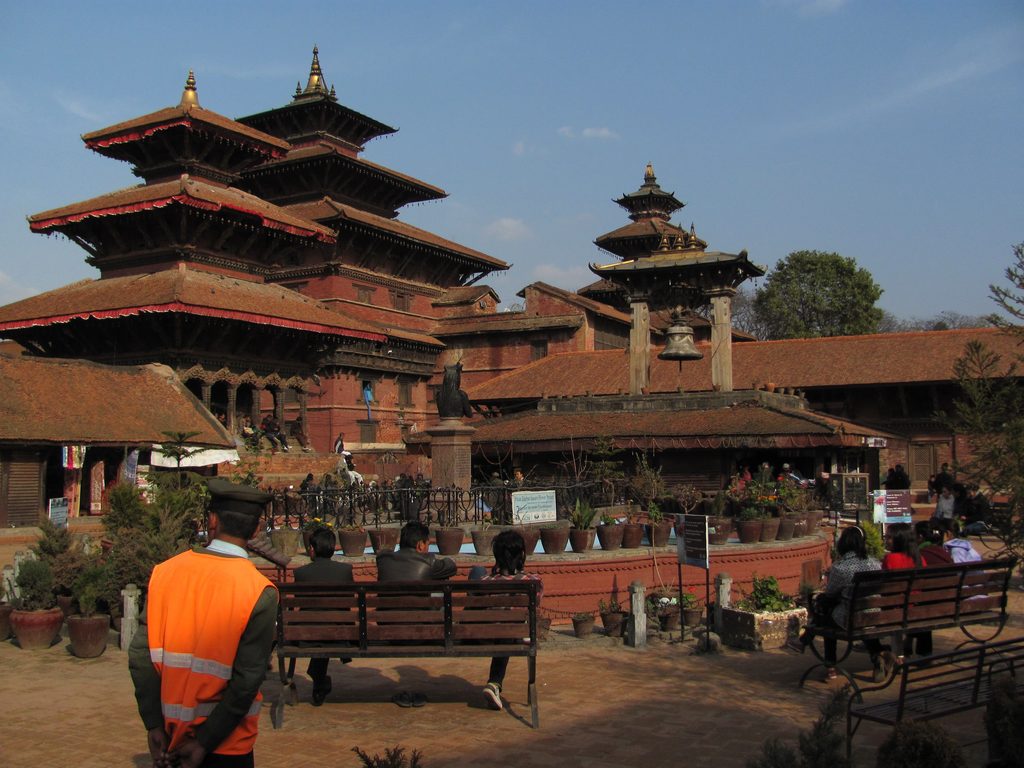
(577, 582)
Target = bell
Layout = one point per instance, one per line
(680, 344)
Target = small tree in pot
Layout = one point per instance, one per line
(35, 621)
(88, 630)
(581, 532)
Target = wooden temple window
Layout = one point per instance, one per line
(538, 349)
(364, 295)
(401, 301)
(404, 392)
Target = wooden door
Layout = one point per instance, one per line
(922, 464)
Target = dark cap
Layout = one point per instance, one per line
(225, 496)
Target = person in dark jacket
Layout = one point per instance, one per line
(322, 570)
(413, 561)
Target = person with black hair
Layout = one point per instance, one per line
(509, 560)
(903, 551)
(959, 548)
(322, 569)
(929, 543)
(413, 561)
(852, 558)
(200, 653)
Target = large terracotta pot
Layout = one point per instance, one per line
(692, 616)
(749, 531)
(286, 541)
(581, 539)
(353, 543)
(787, 527)
(530, 537)
(800, 527)
(669, 620)
(483, 538)
(719, 528)
(65, 603)
(88, 634)
(554, 539)
(36, 629)
(449, 540)
(658, 533)
(582, 626)
(613, 623)
(814, 520)
(383, 539)
(632, 535)
(5, 620)
(610, 536)
(770, 528)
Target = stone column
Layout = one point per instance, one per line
(232, 404)
(278, 393)
(721, 339)
(450, 451)
(254, 407)
(636, 631)
(639, 348)
(206, 388)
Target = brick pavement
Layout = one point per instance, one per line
(602, 705)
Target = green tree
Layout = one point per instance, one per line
(814, 293)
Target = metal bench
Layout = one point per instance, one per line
(884, 604)
(939, 685)
(376, 620)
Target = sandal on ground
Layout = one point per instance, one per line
(403, 699)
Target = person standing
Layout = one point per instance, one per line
(322, 570)
(200, 654)
(945, 507)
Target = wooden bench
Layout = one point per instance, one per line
(891, 604)
(939, 685)
(376, 620)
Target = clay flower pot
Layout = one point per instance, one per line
(770, 528)
(483, 538)
(669, 620)
(5, 620)
(610, 536)
(787, 527)
(692, 616)
(530, 537)
(353, 543)
(582, 626)
(449, 540)
(286, 541)
(632, 535)
(719, 528)
(749, 531)
(36, 629)
(658, 533)
(88, 634)
(581, 539)
(554, 539)
(613, 623)
(383, 539)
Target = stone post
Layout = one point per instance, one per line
(130, 618)
(636, 632)
(639, 348)
(723, 597)
(721, 339)
(8, 583)
(450, 450)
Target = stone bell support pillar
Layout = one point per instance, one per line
(639, 348)
(721, 339)
(450, 450)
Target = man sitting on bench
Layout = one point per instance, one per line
(323, 569)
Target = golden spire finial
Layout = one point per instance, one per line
(649, 177)
(189, 97)
(315, 84)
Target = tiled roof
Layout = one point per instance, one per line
(141, 127)
(504, 322)
(180, 191)
(463, 294)
(72, 402)
(742, 425)
(838, 361)
(597, 307)
(188, 291)
(330, 210)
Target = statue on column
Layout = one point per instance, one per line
(452, 402)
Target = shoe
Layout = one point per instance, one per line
(830, 674)
(492, 692)
(403, 699)
(884, 664)
(418, 699)
(320, 692)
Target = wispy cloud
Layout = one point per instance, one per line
(507, 228)
(604, 133)
(519, 148)
(809, 7)
(78, 108)
(570, 278)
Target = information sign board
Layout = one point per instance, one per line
(692, 546)
(533, 507)
(58, 509)
(891, 507)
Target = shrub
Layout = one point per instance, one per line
(393, 758)
(1004, 722)
(35, 585)
(53, 542)
(873, 540)
(822, 746)
(765, 596)
(920, 744)
(89, 587)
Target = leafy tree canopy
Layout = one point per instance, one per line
(815, 293)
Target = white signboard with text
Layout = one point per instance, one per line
(58, 509)
(533, 507)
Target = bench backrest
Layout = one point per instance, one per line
(961, 679)
(943, 596)
(445, 615)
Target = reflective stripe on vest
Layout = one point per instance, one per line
(197, 609)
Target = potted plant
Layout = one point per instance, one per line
(449, 539)
(554, 537)
(692, 611)
(632, 532)
(769, 526)
(352, 538)
(88, 630)
(583, 623)
(383, 539)
(765, 618)
(612, 617)
(749, 524)
(310, 524)
(581, 532)
(719, 523)
(531, 535)
(36, 620)
(663, 606)
(658, 528)
(609, 533)
(286, 541)
(483, 536)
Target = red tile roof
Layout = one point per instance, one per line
(183, 115)
(504, 322)
(188, 291)
(181, 191)
(744, 425)
(72, 402)
(871, 360)
(463, 294)
(330, 210)
(597, 307)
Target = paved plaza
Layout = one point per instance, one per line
(602, 705)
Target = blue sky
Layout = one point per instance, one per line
(886, 131)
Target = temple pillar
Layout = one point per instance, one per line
(206, 389)
(639, 348)
(721, 339)
(278, 394)
(254, 408)
(303, 398)
(232, 420)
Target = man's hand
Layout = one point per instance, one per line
(158, 741)
(189, 754)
